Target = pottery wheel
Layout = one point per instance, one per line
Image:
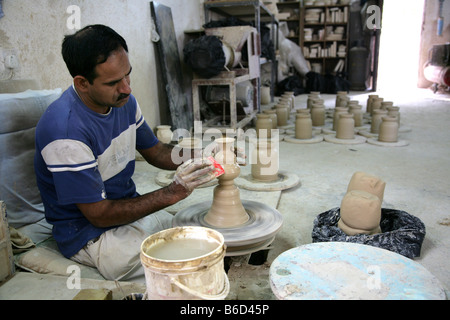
(258, 232)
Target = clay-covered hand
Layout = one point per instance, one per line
(194, 173)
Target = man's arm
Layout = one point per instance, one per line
(160, 156)
(107, 213)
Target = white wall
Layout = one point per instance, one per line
(35, 28)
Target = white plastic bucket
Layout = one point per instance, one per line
(196, 277)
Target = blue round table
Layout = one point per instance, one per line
(345, 271)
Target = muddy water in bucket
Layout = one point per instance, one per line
(185, 263)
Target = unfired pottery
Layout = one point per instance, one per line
(318, 114)
(164, 133)
(394, 112)
(369, 102)
(273, 115)
(303, 126)
(357, 112)
(345, 126)
(388, 129)
(265, 161)
(227, 209)
(375, 105)
(337, 112)
(282, 114)
(376, 120)
(263, 126)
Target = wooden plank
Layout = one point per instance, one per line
(180, 113)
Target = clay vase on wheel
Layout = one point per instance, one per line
(227, 210)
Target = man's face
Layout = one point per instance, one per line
(111, 87)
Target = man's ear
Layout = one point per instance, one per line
(81, 83)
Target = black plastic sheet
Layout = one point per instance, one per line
(402, 233)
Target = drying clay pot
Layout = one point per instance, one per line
(303, 126)
(263, 126)
(357, 112)
(367, 182)
(273, 115)
(318, 114)
(360, 213)
(265, 161)
(369, 102)
(345, 126)
(386, 104)
(375, 105)
(341, 99)
(388, 129)
(376, 120)
(282, 114)
(337, 112)
(394, 112)
(164, 134)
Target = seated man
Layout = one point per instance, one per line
(85, 158)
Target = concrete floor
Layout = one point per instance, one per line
(417, 181)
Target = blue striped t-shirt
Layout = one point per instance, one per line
(84, 157)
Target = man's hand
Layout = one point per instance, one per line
(194, 173)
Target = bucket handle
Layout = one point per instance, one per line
(220, 296)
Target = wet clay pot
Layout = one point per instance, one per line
(318, 114)
(341, 99)
(263, 126)
(226, 209)
(376, 105)
(273, 116)
(360, 213)
(337, 112)
(265, 161)
(376, 119)
(357, 112)
(369, 102)
(394, 112)
(311, 98)
(388, 129)
(164, 134)
(346, 126)
(303, 126)
(282, 114)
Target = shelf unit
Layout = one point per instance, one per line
(290, 12)
(321, 50)
(246, 10)
(326, 45)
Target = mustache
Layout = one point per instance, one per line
(122, 96)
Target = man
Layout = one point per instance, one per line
(85, 151)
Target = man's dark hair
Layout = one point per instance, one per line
(88, 47)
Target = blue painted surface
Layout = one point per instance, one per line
(340, 270)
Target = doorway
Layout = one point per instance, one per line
(399, 52)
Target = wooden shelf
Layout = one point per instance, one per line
(325, 50)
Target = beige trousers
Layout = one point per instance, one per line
(116, 252)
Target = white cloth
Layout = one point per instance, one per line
(116, 253)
